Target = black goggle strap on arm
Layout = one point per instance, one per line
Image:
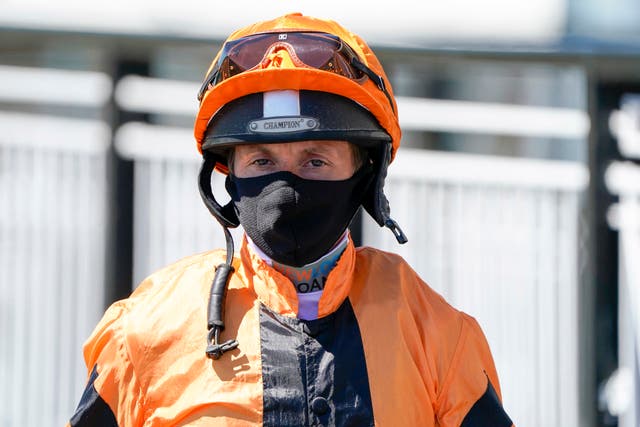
(375, 78)
(217, 294)
(208, 81)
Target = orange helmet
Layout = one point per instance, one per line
(297, 78)
(368, 85)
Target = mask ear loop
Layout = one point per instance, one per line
(217, 295)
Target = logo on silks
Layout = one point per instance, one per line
(283, 124)
(311, 278)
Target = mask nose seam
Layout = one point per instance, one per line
(296, 196)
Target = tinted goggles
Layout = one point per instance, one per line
(316, 50)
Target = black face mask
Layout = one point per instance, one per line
(293, 220)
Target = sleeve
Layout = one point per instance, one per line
(112, 394)
(470, 395)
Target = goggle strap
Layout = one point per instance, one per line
(369, 72)
(205, 86)
(375, 78)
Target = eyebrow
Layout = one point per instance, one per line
(321, 148)
(255, 147)
(265, 149)
(317, 150)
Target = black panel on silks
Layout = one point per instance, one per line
(314, 371)
(92, 411)
(487, 411)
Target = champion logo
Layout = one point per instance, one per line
(283, 124)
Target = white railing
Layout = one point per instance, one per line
(39, 86)
(170, 219)
(53, 204)
(621, 391)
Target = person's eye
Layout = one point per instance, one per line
(316, 163)
(261, 162)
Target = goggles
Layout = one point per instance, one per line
(315, 50)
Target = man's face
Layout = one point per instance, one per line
(320, 160)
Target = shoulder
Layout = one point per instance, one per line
(186, 276)
(448, 341)
(139, 336)
(165, 298)
(367, 253)
(387, 280)
(185, 269)
(376, 261)
(372, 264)
(392, 276)
(171, 294)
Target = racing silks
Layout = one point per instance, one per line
(386, 350)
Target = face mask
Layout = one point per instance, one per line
(293, 220)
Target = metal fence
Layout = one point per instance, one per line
(53, 187)
(170, 220)
(621, 394)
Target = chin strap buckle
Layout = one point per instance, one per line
(216, 350)
(396, 230)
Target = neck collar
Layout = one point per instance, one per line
(275, 290)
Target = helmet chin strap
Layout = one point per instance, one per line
(217, 294)
(378, 205)
(225, 215)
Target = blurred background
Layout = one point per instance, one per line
(518, 181)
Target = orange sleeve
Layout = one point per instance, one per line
(112, 379)
(471, 387)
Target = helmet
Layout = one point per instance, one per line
(339, 91)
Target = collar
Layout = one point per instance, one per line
(342, 241)
(278, 293)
